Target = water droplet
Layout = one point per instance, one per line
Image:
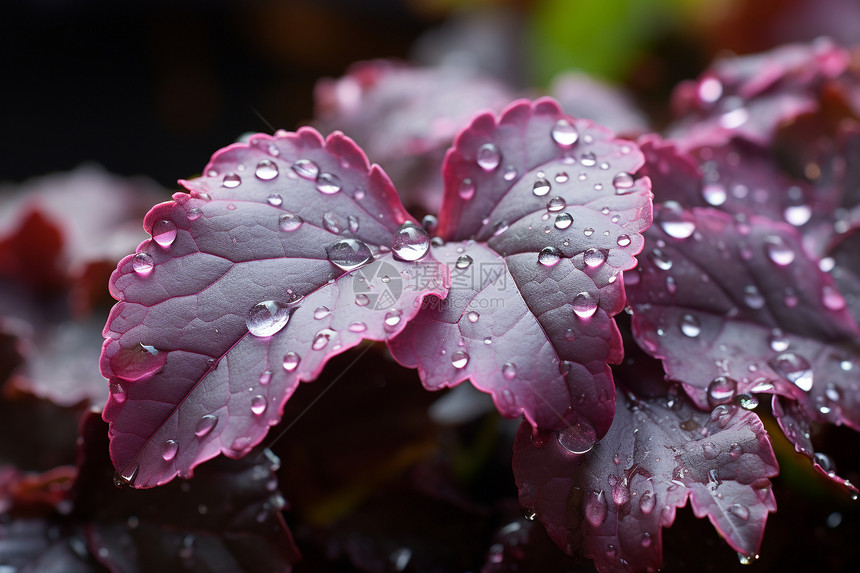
(541, 187)
(265, 377)
(660, 259)
(797, 215)
(832, 298)
(778, 341)
(321, 338)
(690, 325)
(564, 133)
(714, 194)
(258, 404)
(735, 118)
(391, 320)
(266, 170)
(332, 223)
(753, 298)
(556, 204)
(675, 226)
(467, 189)
(739, 511)
(362, 299)
(778, 251)
(352, 223)
(267, 318)
(588, 231)
(473, 316)
(321, 312)
(710, 450)
(125, 478)
(164, 233)
(411, 242)
(735, 450)
(459, 359)
(584, 305)
(710, 90)
(488, 157)
(561, 177)
(793, 368)
(509, 370)
(622, 182)
(746, 401)
(349, 254)
(289, 222)
(594, 258)
(563, 221)
(328, 183)
(463, 262)
(231, 181)
(746, 559)
(274, 200)
(291, 361)
(306, 169)
(623, 240)
(194, 213)
(357, 327)
(577, 438)
(647, 502)
(169, 449)
(142, 263)
(430, 222)
(721, 390)
(205, 425)
(549, 256)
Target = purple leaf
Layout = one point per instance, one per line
(280, 258)
(539, 235)
(581, 95)
(755, 311)
(612, 502)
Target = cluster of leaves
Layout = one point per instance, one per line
(291, 249)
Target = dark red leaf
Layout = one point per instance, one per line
(542, 213)
(282, 256)
(612, 502)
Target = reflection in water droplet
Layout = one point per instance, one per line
(510, 173)
(714, 194)
(169, 449)
(721, 390)
(231, 181)
(509, 370)
(594, 258)
(563, 221)
(778, 251)
(467, 189)
(578, 438)
(321, 338)
(291, 361)
(549, 256)
(411, 242)
(328, 183)
(463, 262)
(205, 425)
(584, 305)
(556, 204)
(459, 359)
(267, 318)
(362, 299)
(258, 404)
(541, 187)
(306, 169)
(690, 325)
(289, 222)
(564, 133)
(794, 368)
(488, 157)
(266, 170)
(622, 182)
(349, 254)
(142, 263)
(623, 240)
(473, 316)
(164, 233)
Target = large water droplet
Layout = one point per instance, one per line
(258, 404)
(793, 368)
(584, 305)
(411, 242)
(169, 449)
(721, 390)
(563, 221)
(739, 511)
(164, 233)
(510, 173)
(266, 170)
(328, 183)
(489, 157)
(623, 240)
(205, 425)
(321, 312)
(142, 263)
(556, 204)
(549, 256)
(289, 222)
(714, 193)
(622, 182)
(321, 338)
(459, 359)
(267, 318)
(349, 254)
(463, 262)
(577, 438)
(564, 133)
(275, 200)
(231, 181)
(306, 169)
(541, 187)
(291, 361)
(588, 159)
(467, 189)
(832, 298)
(509, 370)
(797, 215)
(594, 258)
(674, 225)
(778, 251)
(710, 450)
(690, 325)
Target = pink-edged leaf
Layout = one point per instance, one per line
(279, 258)
(405, 117)
(754, 310)
(538, 236)
(751, 96)
(612, 502)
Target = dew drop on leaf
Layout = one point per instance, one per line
(690, 325)
(205, 425)
(564, 133)
(274, 200)
(266, 170)
(541, 187)
(556, 204)
(549, 256)
(459, 359)
(753, 298)
(391, 320)
(169, 449)
(467, 189)
(510, 173)
(321, 338)
(142, 263)
(509, 370)
(594, 258)
(623, 240)
(797, 215)
(349, 254)
(463, 262)
(258, 404)
(714, 194)
(362, 299)
(267, 318)
(289, 222)
(321, 312)
(793, 368)
(778, 341)
(622, 182)
(291, 361)
(832, 298)
(265, 377)
(411, 242)
(473, 316)
(578, 438)
(306, 169)
(584, 305)
(357, 327)
(231, 181)
(588, 159)
(164, 233)
(721, 390)
(328, 183)
(778, 251)
(489, 157)
(739, 511)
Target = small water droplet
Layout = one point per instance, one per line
(194, 213)
(594, 258)
(556, 204)
(690, 325)
(289, 222)
(563, 221)
(362, 299)
(778, 341)
(205, 425)
(660, 260)
(832, 298)
(352, 223)
(473, 316)
(411, 242)
(584, 305)
(274, 200)
(561, 177)
(622, 182)
(564, 133)
(459, 359)
(328, 183)
(164, 233)
(541, 187)
(753, 298)
(488, 157)
(231, 181)
(797, 215)
(142, 263)
(463, 262)
(578, 438)
(265, 377)
(549, 256)
(266, 170)
(509, 370)
(332, 223)
(794, 368)
(357, 327)
(267, 318)
(588, 231)
(169, 449)
(291, 361)
(623, 240)
(321, 312)
(349, 254)
(714, 194)
(721, 390)
(746, 401)
(467, 189)
(391, 320)
(647, 502)
(710, 450)
(306, 169)
(778, 251)
(739, 511)
(258, 404)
